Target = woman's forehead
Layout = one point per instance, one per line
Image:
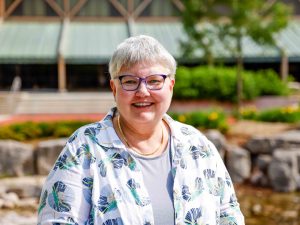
(144, 68)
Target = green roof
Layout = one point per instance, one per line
(168, 34)
(29, 42)
(94, 42)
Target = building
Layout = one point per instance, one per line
(65, 45)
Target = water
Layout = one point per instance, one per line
(266, 207)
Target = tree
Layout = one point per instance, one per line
(210, 22)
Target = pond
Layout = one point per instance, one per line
(262, 206)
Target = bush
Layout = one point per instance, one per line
(289, 114)
(30, 130)
(268, 83)
(219, 83)
(214, 119)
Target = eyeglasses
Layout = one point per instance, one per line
(132, 83)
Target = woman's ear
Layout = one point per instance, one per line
(172, 83)
(113, 87)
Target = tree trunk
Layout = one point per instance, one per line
(239, 77)
(284, 66)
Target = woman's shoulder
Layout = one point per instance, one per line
(182, 129)
(91, 130)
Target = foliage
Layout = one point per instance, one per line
(213, 119)
(288, 114)
(224, 24)
(229, 22)
(218, 83)
(30, 130)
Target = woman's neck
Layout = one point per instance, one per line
(144, 139)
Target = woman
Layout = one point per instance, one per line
(138, 166)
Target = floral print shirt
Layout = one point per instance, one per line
(96, 181)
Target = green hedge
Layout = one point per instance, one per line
(289, 114)
(213, 119)
(219, 83)
(30, 130)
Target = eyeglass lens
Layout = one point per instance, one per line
(131, 83)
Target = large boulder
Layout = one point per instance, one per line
(260, 145)
(218, 139)
(284, 170)
(47, 152)
(259, 175)
(238, 163)
(288, 139)
(23, 187)
(16, 158)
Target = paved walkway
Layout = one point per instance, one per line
(9, 119)
(177, 106)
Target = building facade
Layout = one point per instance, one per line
(65, 45)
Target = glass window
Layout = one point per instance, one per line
(161, 8)
(94, 8)
(33, 8)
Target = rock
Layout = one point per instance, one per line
(238, 163)
(257, 209)
(23, 187)
(288, 139)
(11, 199)
(260, 145)
(262, 162)
(16, 158)
(284, 170)
(47, 152)
(1, 203)
(13, 218)
(259, 174)
(218, 139)
(28, 204)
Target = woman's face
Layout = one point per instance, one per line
(143, 106)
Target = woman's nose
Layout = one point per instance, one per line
(142, 89)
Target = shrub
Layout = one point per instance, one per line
(268, 83)
(30, 130)
(214, 119)
(289, 114)
(219, 83)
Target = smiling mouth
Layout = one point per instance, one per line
(142, 104)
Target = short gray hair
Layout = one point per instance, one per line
(140, 49)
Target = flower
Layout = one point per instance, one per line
(182, 118)
(213, 116)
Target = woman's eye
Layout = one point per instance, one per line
(154, 81)
(129, 82)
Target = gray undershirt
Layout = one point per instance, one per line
(159, 183)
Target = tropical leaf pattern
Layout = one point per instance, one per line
(97, 179)
(84, 154)
(107, 201)
(227, 219)
(117, 221)
(87, 191)
(43, 201)
(192, 216)
(57, 200)
(91, 218)
(73, 137)
(191, 193)
(66, 161)
(133, 187)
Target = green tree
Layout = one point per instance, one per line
(211, 22)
